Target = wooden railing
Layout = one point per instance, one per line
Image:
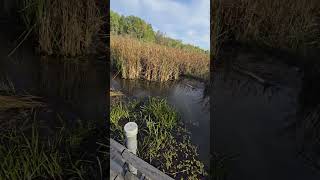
(127, 155)
(146, 170)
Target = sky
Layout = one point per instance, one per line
(186, 20)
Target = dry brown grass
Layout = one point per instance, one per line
(19, 102)
(214, 28)
(114, 93)
(285, 24)
(64, 27)
(136, 59)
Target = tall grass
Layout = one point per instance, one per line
(214, 31)
(32, 149)
(136, 59)
(33, 154)
(285, 24)
(66, 28)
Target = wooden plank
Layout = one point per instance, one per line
(130, 176)
(115, 176)
(114, 166)
(117, 146)
(116, 156)
(144, 167)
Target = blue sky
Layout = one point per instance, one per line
(187, 20)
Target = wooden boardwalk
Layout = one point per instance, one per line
(120, 157)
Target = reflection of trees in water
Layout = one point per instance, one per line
(64, 78)
(68, 79)
(205, 99)
(147, 88)
(200, 91)
(132, 87)
(80, 83)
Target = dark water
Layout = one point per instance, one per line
(73, 87)
(257, 126)
(186, 96)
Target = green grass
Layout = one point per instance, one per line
(25, 158)
(163, 140)
(31, 153)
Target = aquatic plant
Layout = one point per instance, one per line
(160, 111)
(146, 60)
(286, 24)
(163, 140)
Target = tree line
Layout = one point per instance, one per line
(140, 29)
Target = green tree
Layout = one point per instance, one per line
(114, 22)
(138, 28)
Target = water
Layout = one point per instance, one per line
(74, 88)
(186, 96)
(256, 125)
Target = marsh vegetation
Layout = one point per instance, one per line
(27, 151)
(275, 42)
(49, 129)
(163, 139)
(138, 52)
(284, 24)
(62, 28)
(146, 60)
(46, 129)
(30, 148)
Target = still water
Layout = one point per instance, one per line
(256, 126)
(74, 87)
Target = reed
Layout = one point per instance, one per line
(286, 24)
(137, 59)
(66, 28)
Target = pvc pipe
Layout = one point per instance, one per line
(131, 131)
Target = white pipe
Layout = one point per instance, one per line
(131, 130)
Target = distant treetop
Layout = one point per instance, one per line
(138, 28)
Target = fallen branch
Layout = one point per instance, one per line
(252, 75)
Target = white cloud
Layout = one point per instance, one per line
(188, 20)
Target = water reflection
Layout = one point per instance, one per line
(73, 85)
(252, 121)
(79, 82)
